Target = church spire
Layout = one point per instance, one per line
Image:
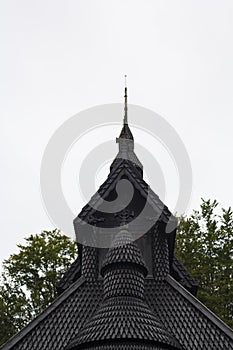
(126, 133)
(126, 140)
(126, 102)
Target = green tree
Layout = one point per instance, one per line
(29, 278)
(204, 245)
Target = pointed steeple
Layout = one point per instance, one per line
(125, 132)
(126, 102)
(126, 140)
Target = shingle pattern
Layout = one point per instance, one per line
(126, 346)
(126, 132)
(193, 325)
(127, 156)
(124, 251)
(89, 263)
(69, 277)
(152, 313)
(126, 149)
(182, 314)
(124, 315)
(125, 166)
(160, 255)
(180, 273)
(57, 327)
(123, 318)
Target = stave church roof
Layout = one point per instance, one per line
(135, 294)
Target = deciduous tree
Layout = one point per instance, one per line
(204, 245)
(29, 278)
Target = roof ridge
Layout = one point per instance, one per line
(199, 306)
(46, 312)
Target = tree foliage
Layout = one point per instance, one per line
(29, 278)
(204, 244)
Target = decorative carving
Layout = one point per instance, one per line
(93, 220)
(125, 216)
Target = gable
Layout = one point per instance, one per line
(56, 325)
(144, 210)
(187, 318)
(125, 168)
(190, 322)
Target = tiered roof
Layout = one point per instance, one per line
(107, 300)
(124, 317)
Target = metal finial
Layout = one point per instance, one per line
(126, 105)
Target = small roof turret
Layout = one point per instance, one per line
(124, 320)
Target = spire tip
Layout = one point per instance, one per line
(126, 81)
(126, 106)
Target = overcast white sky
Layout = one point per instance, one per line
(60, 57)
